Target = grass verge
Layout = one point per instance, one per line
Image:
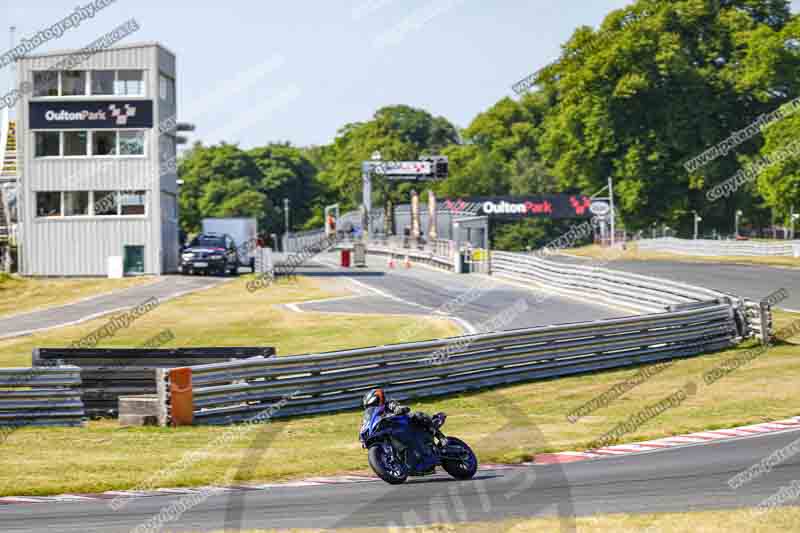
(632, 253)
(511, 424)
(739, 520)
(229, 315)
(23, 295)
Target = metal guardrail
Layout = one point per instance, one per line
(635, 291)
(41, 397)
(107, 374)
(234, 392)
(708, 247)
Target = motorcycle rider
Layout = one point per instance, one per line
(424, 437)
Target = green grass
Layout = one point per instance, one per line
(22, 295)
(511, 424)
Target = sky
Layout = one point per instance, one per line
(253, 72)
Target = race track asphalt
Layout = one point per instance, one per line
(675, 480)
(475, 299)
(164, 289)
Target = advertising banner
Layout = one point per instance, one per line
(508, 207)
(116, 114)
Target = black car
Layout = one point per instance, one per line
(210, 253)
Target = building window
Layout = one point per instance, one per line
(166, 89)
(76, 203)
(106, 203)
(73, 83)
(48, 144)
(76, 143)
(103, 82)
(104, 143)
(131, 143)
(132, 203)
(48, 204)
(45, 83)
(129, 83)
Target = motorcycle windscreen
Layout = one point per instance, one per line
(371, 415)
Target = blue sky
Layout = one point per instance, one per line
(259, 71)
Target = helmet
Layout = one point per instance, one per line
(374, 398)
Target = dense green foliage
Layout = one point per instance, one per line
(225, 181)
(656, 85)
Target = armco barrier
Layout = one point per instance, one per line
(594, 284)
(708, 247)
(108, 374)
(41, 397)
(237, 391)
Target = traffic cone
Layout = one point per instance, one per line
(407, 262)
(391, 261)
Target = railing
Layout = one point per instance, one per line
(594, 284)
(41, 397)
(707, 247)
(234, 392)
(107, 374)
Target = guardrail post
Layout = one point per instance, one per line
(181, 396)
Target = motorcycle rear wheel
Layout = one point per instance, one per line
(391, 470)
(465, 467)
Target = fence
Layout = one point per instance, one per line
(41, 397)
(107, 374)
(708, 247)
(233, 392)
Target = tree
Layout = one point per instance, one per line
(657, 84)
(225, 181)
(399, 133)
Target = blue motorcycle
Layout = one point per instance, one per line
(399, 448)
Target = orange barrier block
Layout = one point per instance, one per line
(181, 396)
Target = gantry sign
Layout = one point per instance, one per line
(426, 169)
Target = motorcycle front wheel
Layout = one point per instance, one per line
(387, 465)
(466, 465)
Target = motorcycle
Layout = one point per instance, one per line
(393, 444)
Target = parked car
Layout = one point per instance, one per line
(210, 253)
(243, 230)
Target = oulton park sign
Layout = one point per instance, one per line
(545, 206)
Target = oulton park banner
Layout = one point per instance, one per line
(507, 207)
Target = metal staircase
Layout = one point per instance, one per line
(8, 168)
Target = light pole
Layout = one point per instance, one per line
(653, 228)
(794, 216)
(736, 222)
(286, 216)
(697, 219)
